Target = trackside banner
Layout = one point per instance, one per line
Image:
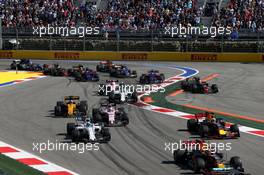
(133, 56)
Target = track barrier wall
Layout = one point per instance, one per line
(133, 56)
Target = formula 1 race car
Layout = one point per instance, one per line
(153, 76)
(87, 75)
(195, 85)
(122, 71)
(207, 162)
(54, 70)
(206, 125)
(110, 115)
(104, 66)
(26, 65)
(80, 73)
(105, 89)
(74, 69)
(86, 131)
(70, 107)
(123, 94)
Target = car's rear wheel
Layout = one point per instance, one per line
(59, 103)
(178, 155)
(214, 88)
(58, 111)
(106, 134)
(76, 135)
(236, 162)
(203, 131)
(70, 128)
(198, 165)
(234, 128)
(83, 107)
(191, 123)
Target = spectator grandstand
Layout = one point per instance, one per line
(131, 14)
(134, 24)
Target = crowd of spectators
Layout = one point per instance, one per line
(241, 14)
(130, 14)
(124, 14)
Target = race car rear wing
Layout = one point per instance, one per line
(110, 81)
(71, 98)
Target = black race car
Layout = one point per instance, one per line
(54, 70)
(26, 65)
(206, 161)
(195, 85)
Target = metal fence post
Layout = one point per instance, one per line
(151, 39)
(50, 43)
(222, 43)
(84, 43)
(118, 40)
(16, 39)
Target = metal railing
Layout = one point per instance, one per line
(154, 40)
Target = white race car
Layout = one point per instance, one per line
(86, 131)
(123, 94)
(110, 115)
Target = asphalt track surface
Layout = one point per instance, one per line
(26, 117)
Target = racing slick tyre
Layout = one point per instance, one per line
(235, 129)
(77, 76)
(194, 88)
(162, 77)
(214, 88)
(191, 125)
(134, 97)
(83, 107)
(203, 131)
(178, 156)
(96, 116)
(125, 119)
(70, 128)
(112, 97)
(59, 103)
(97, 68)
(134, 74)
(142, 79)
(76, 136)
(236, 162)
(106, 134)
(198, 165)
(58, 111)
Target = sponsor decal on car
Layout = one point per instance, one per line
(204, 57)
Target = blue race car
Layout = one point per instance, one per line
(26, 65)
(122, 71)
(152, 77)
(86, 75)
